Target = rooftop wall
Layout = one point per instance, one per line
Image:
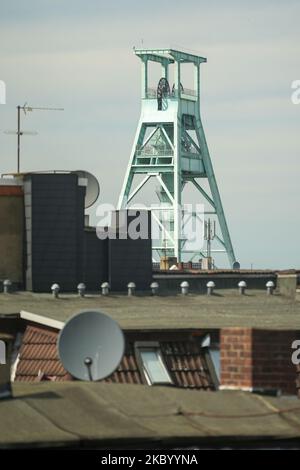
(11, 233)
(54, 210)
(170, 280)
(254, 359)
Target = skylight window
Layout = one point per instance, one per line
(152, 364)
(213, 356)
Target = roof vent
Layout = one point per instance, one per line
(105, 288)
(55, 290)
(210, 287)
(7, 286)
(81, 288)
(184, 287)
(270, 287)
(154, 286)
(242, 287)
(131, 288)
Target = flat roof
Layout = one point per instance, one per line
(168, 312)
(77, 414)
(171, 54)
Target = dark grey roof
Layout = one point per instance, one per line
(226, 308)
(107, 415)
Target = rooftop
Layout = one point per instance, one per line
(185, 360)
(96, 415)
(170, 54)
(171, 312)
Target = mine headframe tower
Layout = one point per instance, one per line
(170, 146)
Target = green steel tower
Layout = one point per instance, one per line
(170, 146)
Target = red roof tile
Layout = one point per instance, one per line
(185, 361)
(187, 364)
(38, 355)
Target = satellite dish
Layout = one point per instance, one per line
(91, 345)
(236, 265)
(92, 189)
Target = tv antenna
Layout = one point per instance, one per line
(19, 132)
(91, 345)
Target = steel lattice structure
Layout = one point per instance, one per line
(170, 146)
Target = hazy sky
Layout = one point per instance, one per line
(78, 55)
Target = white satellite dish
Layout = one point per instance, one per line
(92, 189)
(91, 345)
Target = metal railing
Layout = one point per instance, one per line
(153, 152)
(190, 151)
(156, 265)
(188, 91)
(156, 152)
(152, 93)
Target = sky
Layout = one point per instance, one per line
(78, 55)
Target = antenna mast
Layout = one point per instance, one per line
(209, 235)
(26, 109)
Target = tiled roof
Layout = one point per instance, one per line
(38, 356)
(187, 365)
(128, 371)
(38, 361)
